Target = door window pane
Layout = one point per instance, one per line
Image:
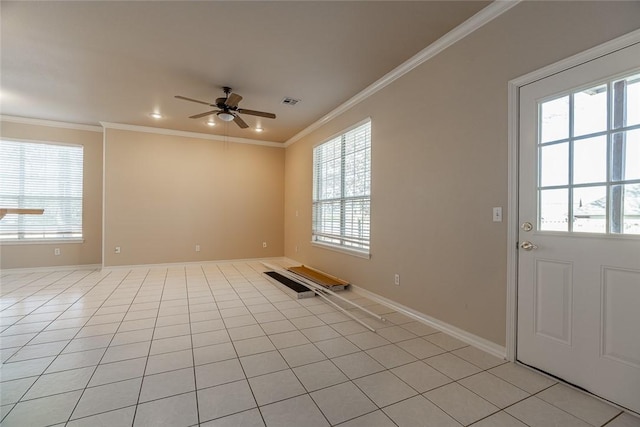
(631, 216)
(590, 160)
(590, 111)
(631, 111)
(554, 120)
(631, 162)
(590, 209)
(554, 164)
(554, 210)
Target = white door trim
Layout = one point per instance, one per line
(513, 171)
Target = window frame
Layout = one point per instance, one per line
(343, 237)
(74, 237)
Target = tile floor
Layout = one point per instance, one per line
(220, 345)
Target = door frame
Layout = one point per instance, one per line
(513, 169)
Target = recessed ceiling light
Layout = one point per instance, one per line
(156, 115)
(259, 129)
(211, 123)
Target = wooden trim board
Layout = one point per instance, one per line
(318, 277)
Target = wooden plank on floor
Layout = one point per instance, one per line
(318, 276)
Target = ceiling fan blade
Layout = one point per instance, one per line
(193, 100)
(240, 122)
(208, 113)
(257, 113)
(233, 100)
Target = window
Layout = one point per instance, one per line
(342, 190)
(589, 159)
(41, 176)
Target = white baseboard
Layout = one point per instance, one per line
(54, 268)
(471, 339)
(184, 264)
(119, 267)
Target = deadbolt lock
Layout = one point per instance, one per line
(526, 226)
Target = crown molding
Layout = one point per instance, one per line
(486, 15)
(49, 123)
(173, 132)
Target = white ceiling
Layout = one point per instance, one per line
(92, 61)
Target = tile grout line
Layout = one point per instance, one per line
(193, 357)
(146, 363)
(244, 372)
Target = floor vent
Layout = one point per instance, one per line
(301, 290)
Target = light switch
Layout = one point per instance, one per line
(497, 214)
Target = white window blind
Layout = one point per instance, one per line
(342, 190)
(41, 176)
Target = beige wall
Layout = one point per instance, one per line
(439, 165)
(165, 194)
(88, 252)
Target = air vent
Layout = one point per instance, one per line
(290, 101)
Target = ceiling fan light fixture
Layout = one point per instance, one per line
(225, 116)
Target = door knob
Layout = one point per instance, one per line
(527, 246)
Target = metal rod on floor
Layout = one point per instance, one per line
(315, 286)
(369, 312)
(324, 297)
(321, 294)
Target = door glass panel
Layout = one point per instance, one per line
(554, 120)
(554, 210)
(590, 209)
(590, 160)
(554, 164)
(630, 115)
(631, 208)
(631, 163)
(590, 111)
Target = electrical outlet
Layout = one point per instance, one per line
(396, 279)
(297, 249)
(56, 251)
(117, 250)
(264, 244)
(197, 248)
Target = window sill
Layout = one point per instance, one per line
(342, 249)
(39, 242)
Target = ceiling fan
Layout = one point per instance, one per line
(227, 108)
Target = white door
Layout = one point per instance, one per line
(579, 216)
